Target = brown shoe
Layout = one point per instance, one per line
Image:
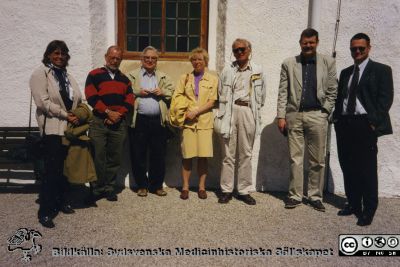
(184, 194)
(202, 194)
(160, 192)
(142, 192)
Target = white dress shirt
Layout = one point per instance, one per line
(359, 109)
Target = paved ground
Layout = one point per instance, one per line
(168, 224)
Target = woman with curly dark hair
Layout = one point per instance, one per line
(55, 93)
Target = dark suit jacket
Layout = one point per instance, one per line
(375, 92)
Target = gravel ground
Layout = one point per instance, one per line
(169, 224)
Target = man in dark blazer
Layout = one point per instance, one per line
(365, 95)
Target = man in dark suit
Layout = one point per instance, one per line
(365, 95)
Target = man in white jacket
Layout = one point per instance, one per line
(241, 95)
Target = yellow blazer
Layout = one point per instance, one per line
(208, 90)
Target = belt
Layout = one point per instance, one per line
(309, 109)
(348, 118)
(153, 117)
(242, 103)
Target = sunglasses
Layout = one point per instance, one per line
(239, 50)
(355, 48)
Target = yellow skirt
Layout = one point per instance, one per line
(197, 143)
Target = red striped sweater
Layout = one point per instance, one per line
(102, 92)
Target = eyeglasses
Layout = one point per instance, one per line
(355, 48)
(239, 50)
(150, 58)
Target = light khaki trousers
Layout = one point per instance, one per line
(241, 143)
(308, 127)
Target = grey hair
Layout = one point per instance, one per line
(114, 47)
(152, 48)
(242, 40)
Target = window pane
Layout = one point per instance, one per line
(194, 27)
(170, 44)
(171, 10)
(194, 42)
(156, 9)
(143, 42)
(156, 26)
(131, 26)
(182, 44)
(195, 10)
(131, 43)
(156, 42)
(171, 26)
(144, 26)
(182, 27)
(144, 9)
(182, 10)
(131, 9)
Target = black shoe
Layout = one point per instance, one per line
(249, 200)
(67, 209)
(347, 210)
(364, 220)
(317, 205)
(46, 221)
(224, 198)
(112, 197)
(90, 200)
(53, 213)
(291, 203)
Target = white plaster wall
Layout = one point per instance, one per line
(274, 28)
(380, 20)
(212, 33)
(28, 26)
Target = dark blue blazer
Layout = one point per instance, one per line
(375, 92)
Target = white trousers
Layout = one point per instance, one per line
(237, 150)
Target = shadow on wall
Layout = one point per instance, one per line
(273, 160)
(173, 163)
(173, 177)
(273, 163)
(272, 170)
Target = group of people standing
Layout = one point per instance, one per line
(309, 96)
(143, 102)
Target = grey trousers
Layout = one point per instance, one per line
(308, 127)
(108, 148)
(241, 143)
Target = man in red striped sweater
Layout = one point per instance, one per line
(110, 94)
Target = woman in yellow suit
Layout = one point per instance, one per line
(200, 90)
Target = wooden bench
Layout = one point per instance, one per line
(13, 167)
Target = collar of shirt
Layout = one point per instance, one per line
(310, 60)
(238, 69)
(362, 66)
(144, 72)
(111, 72)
